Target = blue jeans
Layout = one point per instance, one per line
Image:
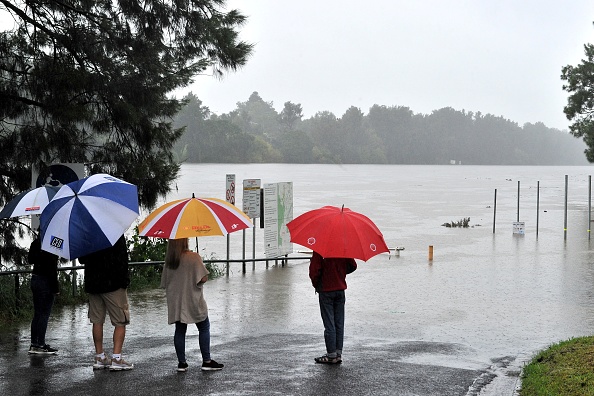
(43, 300)
(179, 340)
(332, 310)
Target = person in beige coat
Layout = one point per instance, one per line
(183, 278)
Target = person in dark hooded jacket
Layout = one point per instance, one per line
(328, 277)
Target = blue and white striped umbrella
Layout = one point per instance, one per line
(29, 202)
(88, 215)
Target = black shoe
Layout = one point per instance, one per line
(212, 366)
(182, 367)
(327, 360)
(43, 350)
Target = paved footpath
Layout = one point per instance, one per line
(266, 341)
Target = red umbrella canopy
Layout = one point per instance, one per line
(338, 232)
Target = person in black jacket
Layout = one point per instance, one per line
(44, 286)
(106, 281)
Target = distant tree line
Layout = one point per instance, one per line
(256, 133)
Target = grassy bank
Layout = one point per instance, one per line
(566, 368)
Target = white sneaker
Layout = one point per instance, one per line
(120, 364)
(101, 363)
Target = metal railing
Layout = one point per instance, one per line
(282, 260)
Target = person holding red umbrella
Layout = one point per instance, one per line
(328, 277)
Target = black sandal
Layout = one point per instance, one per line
(327, 360)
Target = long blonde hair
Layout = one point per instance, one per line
(175, 248)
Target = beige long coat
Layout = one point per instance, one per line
(185, 302)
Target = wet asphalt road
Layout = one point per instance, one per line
(265, 351)
(275, 364)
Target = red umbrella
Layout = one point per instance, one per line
(338, 232)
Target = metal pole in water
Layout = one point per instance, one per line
(254, 248)
(494, 210)
(243, 253)
(565, 215)
(227, 254)
(537, 204)
(589, 203)
(518, 219)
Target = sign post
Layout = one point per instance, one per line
(251, 207)
(278, 211)
(230, 197)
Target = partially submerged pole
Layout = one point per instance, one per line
(243, 254)
(228, 249)
(537, 204)
(565, 214)
(589, 203)
(494, 210)
(254, 247)
(518, 216)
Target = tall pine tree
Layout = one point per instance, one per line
(90, 81)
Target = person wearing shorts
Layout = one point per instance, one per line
(106, 282)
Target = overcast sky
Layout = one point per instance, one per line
(502, 57)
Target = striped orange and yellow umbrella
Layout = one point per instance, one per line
(194, 217)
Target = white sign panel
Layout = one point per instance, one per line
(57, 175)
(251, 197)
(519, 227)
(230, 193)
(278, 211)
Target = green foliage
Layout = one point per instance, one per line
(91, 81)
(145, 277)
(72, 289)
(217, 139)
(255, 132)
(214, 270)
(580, 102)
(145, 249)
(9, 302)
(566, 368)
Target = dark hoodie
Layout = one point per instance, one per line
(44, 264)
(107, 269)
(329, 274)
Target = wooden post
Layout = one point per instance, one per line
(430, 252)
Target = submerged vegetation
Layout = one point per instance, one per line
(464, 223)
